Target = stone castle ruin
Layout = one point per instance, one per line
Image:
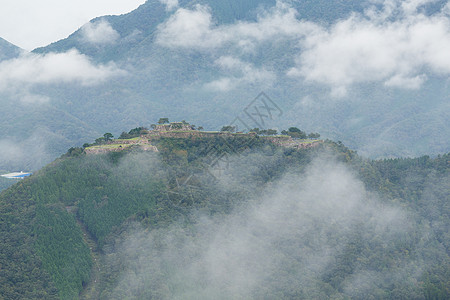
(186, 130)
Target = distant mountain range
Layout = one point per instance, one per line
(206, 61)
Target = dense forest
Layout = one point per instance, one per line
(228, 218)
(5, 182)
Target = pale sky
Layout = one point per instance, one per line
(30, 24)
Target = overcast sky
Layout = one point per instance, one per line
(30, 24)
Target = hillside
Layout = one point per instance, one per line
(226, 215)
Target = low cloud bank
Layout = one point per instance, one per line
(296, 241)
(51, 68)
(18, 76)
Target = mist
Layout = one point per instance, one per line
(26, 155)
(302, 230)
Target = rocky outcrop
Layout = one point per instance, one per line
(155, 135)
(98, 150)
(289, 142)
(176, 126)
(114, 146)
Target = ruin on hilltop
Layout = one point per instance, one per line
(174, 126)
(147, 140)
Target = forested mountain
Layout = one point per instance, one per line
(206, 60)
(227, 217)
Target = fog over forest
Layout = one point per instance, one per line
(300, 231)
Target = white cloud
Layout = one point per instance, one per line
(446, 9)
(413, 83)
(100, 32)
(394, 44)
(188, 28)
(411, 6)
(29, 98)
(240, 72)
(195, 29)
(170, 4)
(375, 48)
(51, 68)
(223, 84)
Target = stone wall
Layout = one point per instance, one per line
(145, 146)
(289, 142)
